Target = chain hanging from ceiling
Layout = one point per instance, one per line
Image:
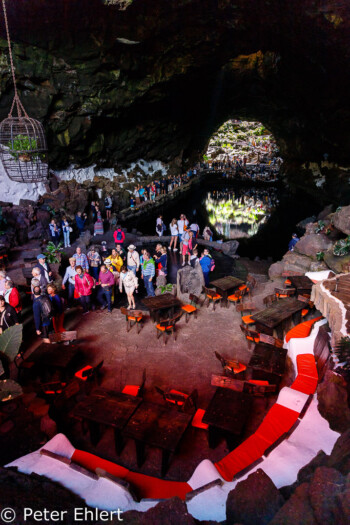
(23, 148)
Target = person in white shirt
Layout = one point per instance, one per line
(195, 229)
(181, 227)
(160, 226)
(174, 230)
(133, 259)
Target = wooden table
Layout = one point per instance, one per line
(106, 407)
(227, 415)
(302, 283)
(268, 363)
(162, 302)
(277, 316)
(53, 357)
(225, 285)
(157, 426)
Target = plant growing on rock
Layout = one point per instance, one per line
(320, 227)
(342, 247)
(320, 256)
(53, 253)
(342, 351)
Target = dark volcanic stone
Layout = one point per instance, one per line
(333, 401)
(168, 512)
(18, 491)
(324, 487)
(254, 500)
(340, 456)
(297, 510)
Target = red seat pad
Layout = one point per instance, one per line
(79, 374)
(240, 458)
(132, 390)
(302, 329)
(144, 486)
(305, 384)
(277, 421)
(189, 308)
(137, 319)
(197, 419)
(164, 328)
(306, 366)
(247, 319)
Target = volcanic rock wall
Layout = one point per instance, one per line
(117, 81)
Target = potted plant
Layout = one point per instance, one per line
(22, 148)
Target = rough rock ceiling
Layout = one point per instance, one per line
(156, 78)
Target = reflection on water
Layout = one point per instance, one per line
(240, 214)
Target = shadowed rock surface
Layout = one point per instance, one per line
(156, 79)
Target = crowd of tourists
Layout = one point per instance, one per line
(163, 186)
(93, 279)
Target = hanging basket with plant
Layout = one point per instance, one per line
(23, 148)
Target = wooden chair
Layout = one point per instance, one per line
(135, 390)
(231, 366)
(212, 296)
(168, 327)
(270, 340)
(190, 309)
(132, 317)
(252, 336)
(89, 374)
(67, 337)
(182, 401)
(282, 293)
(246, 307)
(236, 297)
(251, 283)
(269, 299)
(308, 304)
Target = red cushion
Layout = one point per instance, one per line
(302, 329)
(132, 318)
(247, 319)
(79, 374)
(288, 282)
(277, 421)
(305, 384)
(216, 297)
(306, 365)
(258, 382)
(131, 390)
(243, 456)
(189, 308)
(197, 419)
(145, 486)
(234, 297)
(163, 328)
(304, 312)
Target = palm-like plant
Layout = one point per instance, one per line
(10, 342)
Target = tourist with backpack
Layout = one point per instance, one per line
(43, 312)
(119, 236)
(57, 309)
(208, 264)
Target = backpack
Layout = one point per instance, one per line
(212, 265)
(119, 235)
(46, 307)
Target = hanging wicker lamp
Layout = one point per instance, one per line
(23, 149)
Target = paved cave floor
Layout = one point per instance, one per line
(184, 364)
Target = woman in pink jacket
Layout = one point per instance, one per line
(119, 236)
(84, 284)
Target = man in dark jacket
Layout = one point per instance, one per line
(42, 310)
(8, 315)
(44, 267)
